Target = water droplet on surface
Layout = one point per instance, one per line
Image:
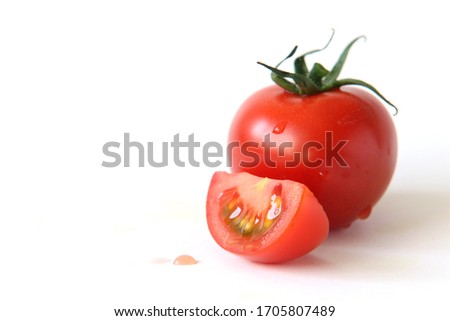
(279, 128)
(185, 260)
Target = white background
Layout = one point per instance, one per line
(78, 239)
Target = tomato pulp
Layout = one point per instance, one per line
(262, 219)
(341, 143)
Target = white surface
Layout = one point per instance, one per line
(77, 239)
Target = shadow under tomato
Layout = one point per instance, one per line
(398, 221)
(392, 241)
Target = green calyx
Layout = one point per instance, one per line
(318, 79)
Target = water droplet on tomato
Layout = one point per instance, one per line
(275, 207)
(324, 174)
(185, 260)
(235, 213)
(365, 213)
(279, 128)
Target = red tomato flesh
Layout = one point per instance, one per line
(265, 220)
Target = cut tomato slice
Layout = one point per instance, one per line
(265, 220)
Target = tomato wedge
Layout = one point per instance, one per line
(265, 220)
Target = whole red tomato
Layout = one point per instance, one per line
(338, 141)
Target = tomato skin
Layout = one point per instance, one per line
(302, 226)
(309, 229)
(351, 114)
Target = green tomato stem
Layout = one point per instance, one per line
(318, 79)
